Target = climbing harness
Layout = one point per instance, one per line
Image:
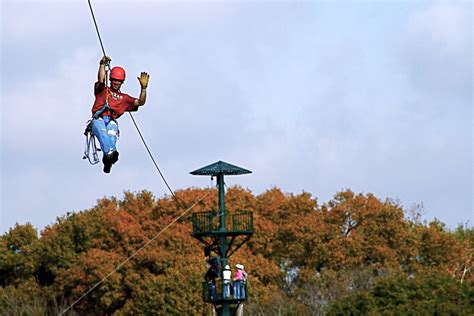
(106, 107)
(90, 144)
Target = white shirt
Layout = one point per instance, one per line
(226, 275)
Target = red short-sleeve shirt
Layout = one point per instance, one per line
(119, 102)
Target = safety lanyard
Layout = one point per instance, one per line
(106, 106)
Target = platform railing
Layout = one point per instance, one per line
(209, 222)
(216, 292)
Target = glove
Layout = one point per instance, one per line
(143, 79)
(105, 60)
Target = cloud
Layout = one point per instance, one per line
(28, 22)
(437, 48)
(47, 107)
(308, 96)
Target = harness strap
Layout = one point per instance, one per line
(90, 142)
(98, 113)
(107, 93)
(106, 106)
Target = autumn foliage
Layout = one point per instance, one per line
(354, 254)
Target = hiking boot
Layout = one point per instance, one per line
(107, 163)
(114, 157)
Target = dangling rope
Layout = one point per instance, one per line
(90, 143)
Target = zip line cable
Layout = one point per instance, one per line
(96, 27)
(154, 162)
(180, 204)
(135, 253)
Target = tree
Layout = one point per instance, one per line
(464, 263)
(365, 230)
(302, 257)
(425, 294)
(17, 254)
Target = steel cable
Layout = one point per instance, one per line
(96, 27)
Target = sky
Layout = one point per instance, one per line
(313, 96)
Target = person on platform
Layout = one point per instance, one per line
(211, 275)
(240, 281)
(226, 277)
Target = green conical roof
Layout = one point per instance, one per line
(220, 167)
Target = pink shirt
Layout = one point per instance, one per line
(238, 275)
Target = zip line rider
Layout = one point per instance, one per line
(110, 103)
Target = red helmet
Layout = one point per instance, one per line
(117, 73)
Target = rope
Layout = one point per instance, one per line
(154, 162)
(96, 27)
(180, 204)
(107, 66)
(134, 254)
(90, 142)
